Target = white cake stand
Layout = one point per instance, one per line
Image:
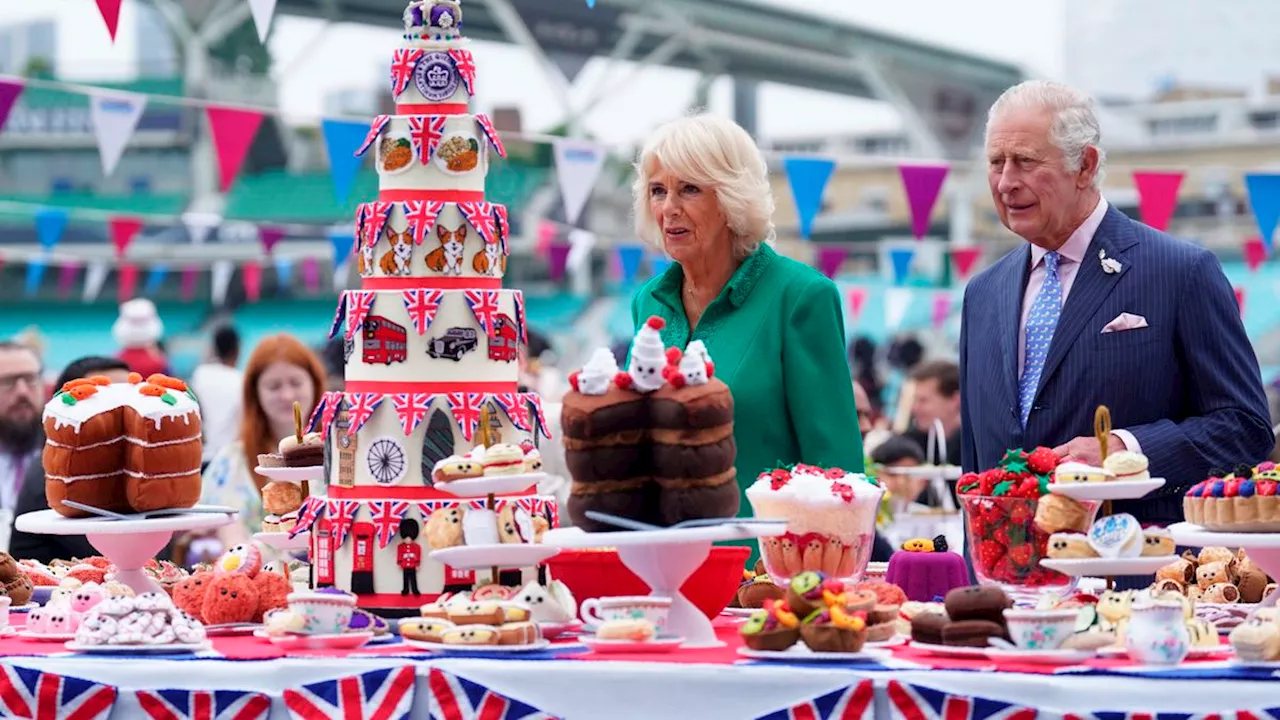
(295, 475)
(490, 485)
(128, 544)
(484, 557)
(1263, 548)
(664, 559)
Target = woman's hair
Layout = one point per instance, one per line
(90, 365)
(712, 152)
(255, 430)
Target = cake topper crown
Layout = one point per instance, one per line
(437, 18)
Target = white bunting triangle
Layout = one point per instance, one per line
(115, 116)
(94, 277)
(578, 166)
(199, 225)
(221, 280)
(581, 243)
(262, 12)
(896, 303)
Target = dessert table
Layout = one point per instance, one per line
(247, 678)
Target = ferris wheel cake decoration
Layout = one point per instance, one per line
(387, 461)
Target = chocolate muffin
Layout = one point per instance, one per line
(971, 633)
(978, 602)
(927, 627)
(8, 567)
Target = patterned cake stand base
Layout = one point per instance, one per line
(128, 544)
(1263, 549)
(664, 559)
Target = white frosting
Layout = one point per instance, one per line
(693, 368)
(480, 527)
(809, 504)
(416, 176)
(598, 374)
(697, 349)
(117, 395)
(450, 218)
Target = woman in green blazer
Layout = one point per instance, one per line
(773, 326)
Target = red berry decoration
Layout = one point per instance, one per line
(834, 474)
(1021, 513)
(1042, 461)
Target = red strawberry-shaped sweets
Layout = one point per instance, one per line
(989, 554)
(1000, 533)
(1028, 488)
(1266, 487)
(1020, 513)
(1042, 460)
(989, 479)
(1006, 571)
(834, 474)
(968, 484)
(1232, 488)
(992, 514)
(779, 478)
(573, 380)
(1022, 555)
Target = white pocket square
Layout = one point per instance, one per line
(1125, 321)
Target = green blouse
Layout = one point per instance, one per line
(776, 336)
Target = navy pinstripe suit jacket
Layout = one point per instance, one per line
(1187, 386)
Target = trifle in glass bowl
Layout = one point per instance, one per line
(831, 521)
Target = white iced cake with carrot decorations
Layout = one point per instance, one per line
(831, 518)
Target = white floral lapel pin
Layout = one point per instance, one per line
(1110, 266)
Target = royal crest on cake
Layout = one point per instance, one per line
(652, 443)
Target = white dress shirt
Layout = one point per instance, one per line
(1071, 254)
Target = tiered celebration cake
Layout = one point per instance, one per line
(432, 340)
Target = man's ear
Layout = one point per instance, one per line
(1088, 167)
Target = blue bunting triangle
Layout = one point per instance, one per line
(35, 274)
(901, 259)
(343, 241)
(341, 139)
(1264, 199)
(808, 178)
(629, 257)
(284, 274)
(50, 224)
(155, 279)
(659, 262)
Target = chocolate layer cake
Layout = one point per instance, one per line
(694, 451)
(606, 441)
(308, 453)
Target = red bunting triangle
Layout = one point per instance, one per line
(1240, 299)
(1157, 197)
(110, 10)
(123, 230)
(857, 298)
(252, 274)
(965, 258)
(128, 282)
(9, 92)
(1255, 253)
(233, 133)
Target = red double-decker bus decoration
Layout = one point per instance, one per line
(504, 343)
(384, 341)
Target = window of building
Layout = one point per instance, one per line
(1163, 127)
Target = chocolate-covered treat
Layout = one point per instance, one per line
(19, 591)
(773, 628)
(978, 602)
(8, 567)
(754, 592)
(927, 627)
(971, 633)
(308, 453)
(694, 449)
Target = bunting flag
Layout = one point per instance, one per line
(360, 407)
(251, 276)
(341, 138)
(317, 412)
(917, 702)
(110, 12)
(481, 217)
(203, 704)
(830, 259)
(857, 299)
(35, 275)
(896, 303)
(94, 278)
(1240, 299)
(336, 402)
(376, 216)
(155, 279)
(484, 306)
(1255, 253)
(856, 702)
(547, 234)
(1157, 196)
(922, 184)
(629, 257)
(808, 179)
(522, 320)
(941, 308)
(67, 278)
(504, 225)
(535, 401)
(284, 274)
(311, 275)
(220, 281)
(359, 304)
(270, 236)
(386, 517)
(1264, 199)
(341, 514)
(403, 64)
(425, 132)
(466, 411)
(659, 262)
(339, 314)
(114, 116)
(491, 132)
(233, 132)
(412, 409)
(375, 129)
(190, 277)
(901, 258)
(200, 225)
(558, 259)
(28, 693)
(465, 63)
(965, 258)
(262, 10)
(311, 510)
(126, 282)
(343, 243)
(421, 215)
(578, 166)
(9, 92)
(517, 409)
(123, 230)
(422, 306)
(50, 224)
(455, 698)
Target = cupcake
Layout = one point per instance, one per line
(270, 460)
(832, 629)
(1157, 542)
(754, 592)
(806, 592)
(503, 459)
(773, 628)
(1127, 465)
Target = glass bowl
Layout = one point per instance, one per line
(1005, 545)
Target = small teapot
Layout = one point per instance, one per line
(1157, 633)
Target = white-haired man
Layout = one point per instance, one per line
(1098, 309)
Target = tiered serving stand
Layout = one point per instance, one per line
(311, 478)
(1263, 548)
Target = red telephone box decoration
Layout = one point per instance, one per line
(453, 576)
(362, 549)
(322, 552)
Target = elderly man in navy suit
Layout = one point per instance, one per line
(1098, 309)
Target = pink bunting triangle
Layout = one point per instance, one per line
(110, 10)
(233, 133)
(9, 92)
(1157, 197)
(66, 278)
(187, 285)
(830, 259)
(123, 230)
(922, 184)
(965, 258)
(857, 298)
(1255, 253)
(941, 308)
(127, 282)
(252, 275)
(270, 235)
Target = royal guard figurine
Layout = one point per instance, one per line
(409, 556)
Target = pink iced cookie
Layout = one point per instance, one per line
(88, 596)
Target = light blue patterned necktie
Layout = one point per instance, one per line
(1041, 322)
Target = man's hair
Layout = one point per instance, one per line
(7, 345)
(896, 449)
(226, 342)
(944, 372)
(91, 365)
(1075, 125)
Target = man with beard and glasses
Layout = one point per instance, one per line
(21, 400)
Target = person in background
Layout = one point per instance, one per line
(137, 331)
(281, 371)
(862, 358)
(864, 409)
(217, 384)
(46, 548)
(22, 397)
(936, 398)
(898, 452)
